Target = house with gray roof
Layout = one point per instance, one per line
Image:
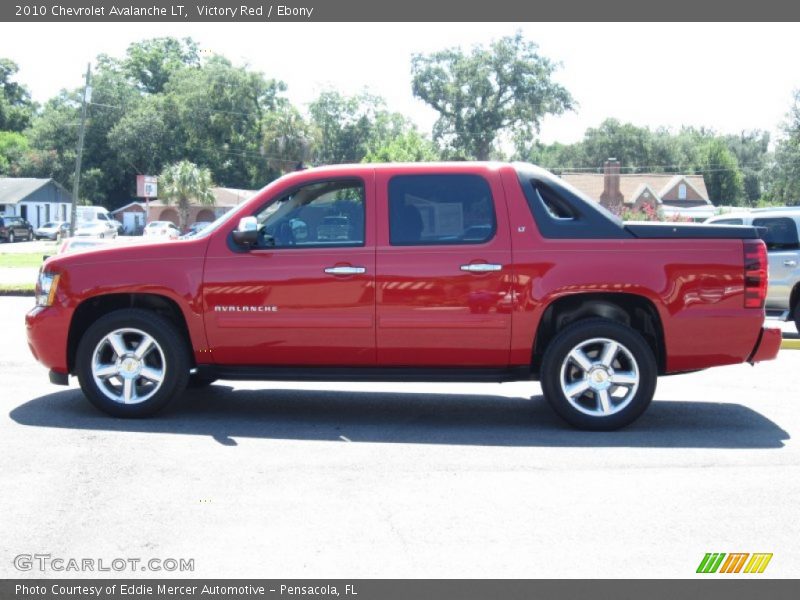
(37, 200)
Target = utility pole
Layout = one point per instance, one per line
(76, 184)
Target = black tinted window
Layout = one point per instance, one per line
(329, 213)
(556, 206)
(440, 209)
(780, 234)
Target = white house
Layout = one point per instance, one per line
(37, 200)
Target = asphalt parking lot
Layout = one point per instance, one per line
(420, 480)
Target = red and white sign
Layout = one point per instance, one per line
(146, 186)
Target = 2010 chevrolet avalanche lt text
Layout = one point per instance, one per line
(418, 272)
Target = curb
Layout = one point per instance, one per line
(790, 345)
(20, 293)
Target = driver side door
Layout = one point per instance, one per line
(305, 293)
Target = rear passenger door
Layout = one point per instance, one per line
(443, 267)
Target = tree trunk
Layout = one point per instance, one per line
(183, 214)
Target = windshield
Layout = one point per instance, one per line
(213, 226)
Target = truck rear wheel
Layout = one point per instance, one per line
(131, 363)
(599, 375)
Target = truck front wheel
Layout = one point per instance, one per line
(131, 363)
(599, 375)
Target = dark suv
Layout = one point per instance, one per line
(15, 228)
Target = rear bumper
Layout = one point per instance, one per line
(768, 345)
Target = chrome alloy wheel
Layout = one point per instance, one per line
(599, 377)
(128, 366)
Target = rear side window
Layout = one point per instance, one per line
(440, 209)
(727, 222)
(780, 234)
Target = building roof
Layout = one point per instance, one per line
(703, 193)
(231, 196)
(591, 184)
(644, 187)
(223, 197)
(128, 205)
(16, 189)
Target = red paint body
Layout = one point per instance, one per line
(413, 306)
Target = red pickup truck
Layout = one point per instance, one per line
(418, 272)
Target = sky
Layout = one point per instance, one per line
(729, 77)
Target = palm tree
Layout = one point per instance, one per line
(183, 182)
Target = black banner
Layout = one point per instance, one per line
(389, 589)
(407, 10)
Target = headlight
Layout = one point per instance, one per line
(46, 288)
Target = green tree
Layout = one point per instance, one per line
(16, 108)
(751, 149)
(406, 147)
(784, 174)
(184, 182)
(288, 138)
(506, 88)
(52, 138)
(151, 63)
(214, 115)
(722, 176)
(141, 140)
(632, 146)
(345, 126)
(13, 146)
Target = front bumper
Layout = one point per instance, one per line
(48, 329)
(768, 345)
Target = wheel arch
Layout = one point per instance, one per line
(634, 310)
(90, 309)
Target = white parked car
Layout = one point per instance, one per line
(162, 229)
(78, 244)
(781, 234)
(99, 229)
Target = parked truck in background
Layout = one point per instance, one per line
(779, 227)
(436, 272)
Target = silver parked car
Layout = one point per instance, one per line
(52, 230)
(781, 233)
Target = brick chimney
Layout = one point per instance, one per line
(611, 196)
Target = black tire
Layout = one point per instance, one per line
(198, 381)
(591, 337)
(797, 316)
(171, 357)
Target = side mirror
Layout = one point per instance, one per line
(246, 234)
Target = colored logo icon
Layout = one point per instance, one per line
(736, 562)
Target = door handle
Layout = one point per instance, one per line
(345, 270)
(481, 268)
(790, 263)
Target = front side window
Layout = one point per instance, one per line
(323, 214)
(780, 233)
(440, 209)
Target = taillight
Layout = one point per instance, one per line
(755, 273)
